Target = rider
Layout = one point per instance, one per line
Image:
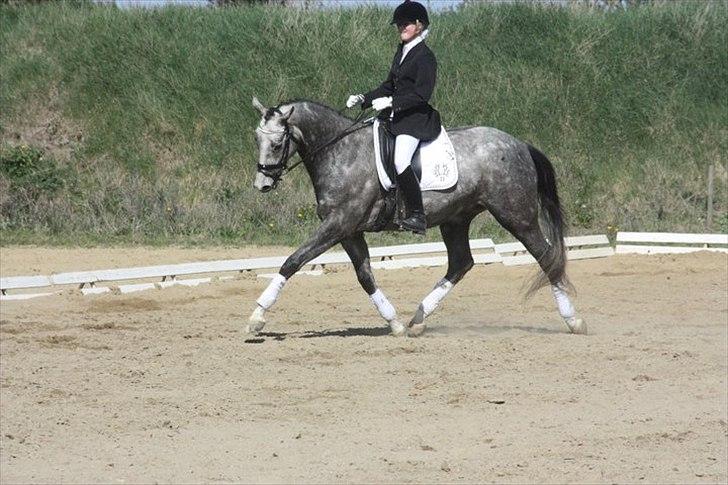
(404, 98)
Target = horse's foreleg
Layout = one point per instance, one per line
(328, 234)
(356, 248)
(459, 262)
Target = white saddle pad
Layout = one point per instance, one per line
(437, 157)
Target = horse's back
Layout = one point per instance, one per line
(482, 148)
(482, 135)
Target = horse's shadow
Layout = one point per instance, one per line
(469, 330)
(340, 332)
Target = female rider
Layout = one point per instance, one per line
(404, 98)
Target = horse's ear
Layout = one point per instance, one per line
(285, 114)
(259, 106)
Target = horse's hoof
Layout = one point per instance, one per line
(418, 317)
(256, 322)
(416, 330)
(255, 327)
(576, 325)
(398, 329)
(417, 325)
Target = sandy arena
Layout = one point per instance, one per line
(161, 386)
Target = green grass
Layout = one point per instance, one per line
(147, 114)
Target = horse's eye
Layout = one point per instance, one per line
(276, 146)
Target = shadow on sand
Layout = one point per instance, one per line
(437, 330)
(341, 332)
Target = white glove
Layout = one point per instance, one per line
(382, 103)
(354, 99)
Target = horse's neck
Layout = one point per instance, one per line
(318, 124)
(317, 128)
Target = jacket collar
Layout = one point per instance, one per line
(410, 53)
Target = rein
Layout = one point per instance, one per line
(278, 170)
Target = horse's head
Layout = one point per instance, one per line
(277, 141)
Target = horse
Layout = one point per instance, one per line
(512, 180)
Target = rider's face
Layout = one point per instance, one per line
(408, 31)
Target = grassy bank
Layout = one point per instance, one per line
(132, 126)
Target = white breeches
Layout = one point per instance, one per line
(404, 147)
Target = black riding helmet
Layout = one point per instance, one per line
(410, 12)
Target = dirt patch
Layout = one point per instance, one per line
(43, 125)
(133, 304)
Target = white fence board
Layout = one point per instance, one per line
(672, 238)
(410, 263)
(95, 291)
(25, 296)
(137, 287)
(510, 248)
(638, 249)
(406, 249)
(570, 242)
(16, 282)
(384, 252)
(665, 243)
(573, 241)
(518, 260)
(589, 253)
(487, 258)
(571, 254)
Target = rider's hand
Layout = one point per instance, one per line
(354, 99)
(382, 103)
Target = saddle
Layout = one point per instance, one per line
(434, 163)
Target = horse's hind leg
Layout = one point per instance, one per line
(536, 244)
(358, 251)
(459, 262)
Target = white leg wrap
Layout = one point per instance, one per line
(566, 309)
(269, 296)
(431, 301)
(386, 310)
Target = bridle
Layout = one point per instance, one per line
(276, 171)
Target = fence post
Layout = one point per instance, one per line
(709, 219)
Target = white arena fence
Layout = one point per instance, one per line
(387, 257)
(669, 243)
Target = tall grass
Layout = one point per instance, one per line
(147, 115)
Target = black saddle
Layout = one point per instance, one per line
(386, 153)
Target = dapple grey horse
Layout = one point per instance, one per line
(498, 173)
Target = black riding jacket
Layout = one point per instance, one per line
(410, 85)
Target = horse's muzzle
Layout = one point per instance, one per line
(263, 182)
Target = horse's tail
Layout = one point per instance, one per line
(553, 262)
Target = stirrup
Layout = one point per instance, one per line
(415, 223)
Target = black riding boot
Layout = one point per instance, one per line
(415, 214)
